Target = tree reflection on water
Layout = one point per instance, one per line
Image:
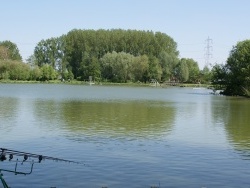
(140, 119)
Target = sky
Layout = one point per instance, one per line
(189, 22)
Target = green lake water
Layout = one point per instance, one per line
(126, 136)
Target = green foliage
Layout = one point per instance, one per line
(238, 69)
(122, 67)
(32, 61)
(51, 52)
(168, 62)
(14, 70)
(116, 67)
(35, 73)
(96, 44)
(139, 69)
(111, 55)
(89, 67)
(234, 76)
(9, 51)
(4, 70)
(4, 52)
(48, 73)
(182, 71)
(194, 71)
(67, 75)
(19, 71)
(187, 70)
(115, 55)
(219, 76)
(154, 70)
(206, 75)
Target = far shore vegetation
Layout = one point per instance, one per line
(124, 57)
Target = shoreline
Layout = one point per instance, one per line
(75, 82)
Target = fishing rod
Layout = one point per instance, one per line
(13, 155)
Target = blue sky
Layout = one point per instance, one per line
(188, 22)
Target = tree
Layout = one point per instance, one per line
(35, 73)
(89, 67)
(47, 73)
(106, 66)
(139, 68)
(117, 66)
(51, 52)
(9, 50)
(98, 43)
(32, 61)
(19, 71)
(94, 69)
(4, 53)
(182, 72)
(238, 69)
(154, 70)
(14, 70)
(79, 52)
(194, 71)
(205, 75)
(4, 70)
(219, 76)
(167, 61)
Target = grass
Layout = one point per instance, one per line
(76, 82)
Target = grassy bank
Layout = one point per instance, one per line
(76, 82)
(73, 82)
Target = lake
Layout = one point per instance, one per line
(126, 136)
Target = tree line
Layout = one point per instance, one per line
(13, 68)
(111, 55)
(122, 56)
